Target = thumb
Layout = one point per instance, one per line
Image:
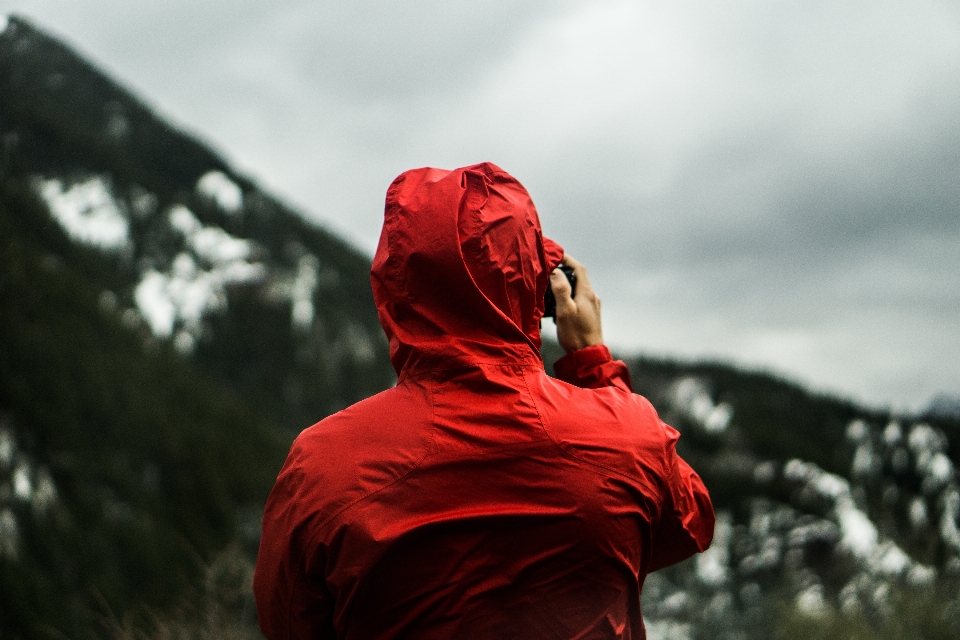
(561, 291)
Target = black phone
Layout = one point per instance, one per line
(549, 301)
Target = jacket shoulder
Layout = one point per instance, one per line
(359, 450)
(617, 432)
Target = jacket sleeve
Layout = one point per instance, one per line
(685, 526)
(593, 368)
(292, 599)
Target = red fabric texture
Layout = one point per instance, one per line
(479, 498)
(593, 368)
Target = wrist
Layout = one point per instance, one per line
(580, 359)
(581, 342)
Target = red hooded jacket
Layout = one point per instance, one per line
(479, 498)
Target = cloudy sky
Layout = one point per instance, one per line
(774, 183)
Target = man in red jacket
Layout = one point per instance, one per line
(479, 498)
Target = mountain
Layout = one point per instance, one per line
(185, 238)
(167, 327)
(834, 521)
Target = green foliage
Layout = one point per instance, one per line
(152, 463)
(219, 607)
(918, 614)
(156, 459)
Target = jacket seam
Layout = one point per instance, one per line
(496, 363)
(328, 521)
(576, 457)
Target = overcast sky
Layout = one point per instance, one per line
(771, 183)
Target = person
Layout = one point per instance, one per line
(479, 497)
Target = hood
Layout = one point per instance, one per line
(461, 269)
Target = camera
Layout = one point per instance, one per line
(550, 301)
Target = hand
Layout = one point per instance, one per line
(578, 318)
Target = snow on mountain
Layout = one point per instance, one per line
(691, 396)
(301, 292)
(858, 534)
(87, 211)
(842, 560)
(197, 279)
(22, 482)
(222, 190)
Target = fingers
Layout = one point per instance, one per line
(562, 290)
(578, 318)
(583, 280)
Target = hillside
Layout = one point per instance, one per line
(834, 521)
(167, 327)
(119, 464)
(181, 238)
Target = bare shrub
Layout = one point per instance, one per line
(221, 607)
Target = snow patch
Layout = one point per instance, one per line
(719, 418)
(675, 604)
(831, 486)
(667, 630)
(811, 602)
(155, 304)
(4, 22)
(921, 575)
(931, 463)
(301, 292)
(210, 243)
(918, 513)
(22, 487)
(948, 520)
(300, 288)
(858, 534)
(9, 535)
(7, 448)
(45, 492)
(892, 434)
(713, 564)
(189, 291)
(940, 469)
(691, 396)
(183, 220)
(891, 559)
(184, 342)
(143, 202)
(222, 190)
(87, 211)
(857, 431)
(359, 343)
(863, 460)
(923, 437)
(28, 483)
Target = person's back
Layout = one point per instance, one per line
(479, 498)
